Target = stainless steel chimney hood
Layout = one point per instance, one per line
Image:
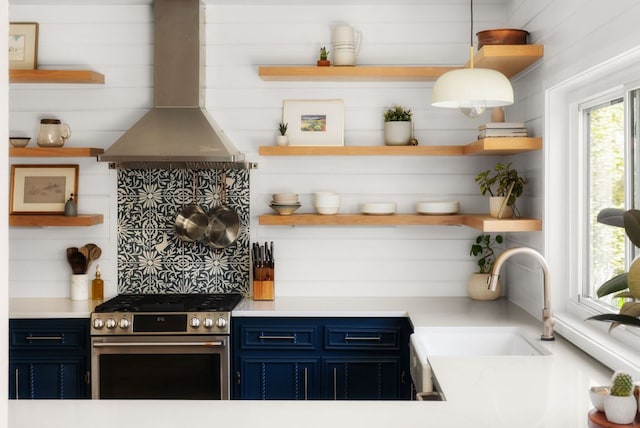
(177, 132)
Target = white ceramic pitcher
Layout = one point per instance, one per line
(53, 133)
(346, 44)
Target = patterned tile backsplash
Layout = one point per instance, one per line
(152, 259)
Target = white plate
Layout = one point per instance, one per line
(437, 207)
(378, 208)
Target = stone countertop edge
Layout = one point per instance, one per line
(525, 392)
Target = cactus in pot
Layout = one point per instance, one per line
(620, 405)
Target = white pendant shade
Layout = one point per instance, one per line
(472, 88)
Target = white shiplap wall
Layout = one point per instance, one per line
(116, 40)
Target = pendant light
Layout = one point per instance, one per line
(472, 90)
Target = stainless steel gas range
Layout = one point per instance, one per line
(162, 346)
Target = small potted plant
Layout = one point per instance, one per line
(324, 58)
(282, 139)
(397, 126)
(505, 186)
(620, 406)
(478, 286)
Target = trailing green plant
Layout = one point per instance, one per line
(627, 284)
(324, 54)
(499, 181)
(398, 114)
(283, 128)
(622, 384)
(483, 247)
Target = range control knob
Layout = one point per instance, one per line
(207, 322)
(98, 323)
(221, 322)
(124, 323)
(195, 322)
(110, 324)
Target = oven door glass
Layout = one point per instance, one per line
(160, 367)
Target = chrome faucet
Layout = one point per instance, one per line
(547, 319)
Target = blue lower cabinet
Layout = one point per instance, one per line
(297, 358)
(49, 358)
(363, 379)
(279, 379)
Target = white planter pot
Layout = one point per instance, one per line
(495, 202)
(397, 133)
(282, 140)
(620, 410)
(478, 287)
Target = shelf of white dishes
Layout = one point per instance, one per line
(51, 152)
(488, 146)
(508, 59)
(482, 222)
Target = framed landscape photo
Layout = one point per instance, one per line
(23, 45)
(314, 122)
(42, 189)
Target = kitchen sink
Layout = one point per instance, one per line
(428, 342)
(476, 341)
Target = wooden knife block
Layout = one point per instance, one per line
(263, 290)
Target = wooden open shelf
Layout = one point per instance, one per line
(55, 76)
(54, 220)
(482, 222)
(59, 152)
(487, 146)
(508, 59)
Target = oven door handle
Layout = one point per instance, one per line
(158, 344)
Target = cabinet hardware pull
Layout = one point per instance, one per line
(158, 344)
(17, 388)
(305, 384)
(363, 338)
(262, 337)
(402, 377)
(335, 382)
(87, 377)
(43, 337)
(238, 377)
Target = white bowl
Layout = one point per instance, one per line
(285, 198)
(437, 207)
(327, 210)
(323, 194)
(285, 209)
(378, 208)
(19, 141)
(327, 200)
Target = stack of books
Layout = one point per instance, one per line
(502, 129)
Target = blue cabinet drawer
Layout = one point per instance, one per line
(62, 334)
(277, 334)
(365, 334)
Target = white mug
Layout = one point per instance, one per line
(346, 45)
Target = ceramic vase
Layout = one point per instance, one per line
(282, 140)
(620, 410)
(397, 133)
(495, 202)
(80, 286)
(478, 287)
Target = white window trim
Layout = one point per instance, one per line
(564, 237)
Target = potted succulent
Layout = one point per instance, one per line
(627, 284)
(397, 126)
(282, 139)
(620, 406)
(504, 185)
(324, 58)
(478, 285)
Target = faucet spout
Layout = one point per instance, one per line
(547, 318)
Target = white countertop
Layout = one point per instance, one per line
(547, 391)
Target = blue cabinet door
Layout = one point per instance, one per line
(49, 358)
(43, 378)
(278, 379)
(363, 379)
